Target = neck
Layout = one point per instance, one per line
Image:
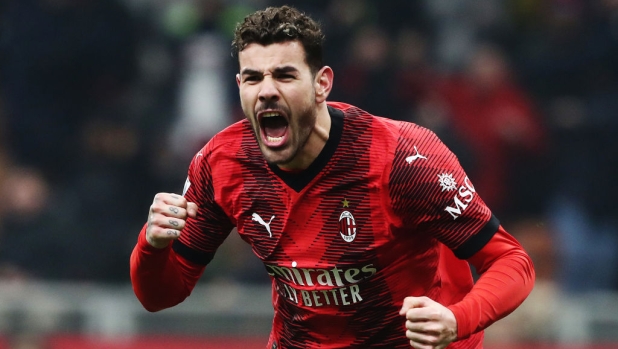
(315, 143)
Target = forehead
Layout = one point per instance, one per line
(263, 58)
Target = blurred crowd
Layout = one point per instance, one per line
(104, 102)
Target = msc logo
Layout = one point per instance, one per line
(462, 199)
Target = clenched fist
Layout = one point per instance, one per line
(167, 218)
(429, 324)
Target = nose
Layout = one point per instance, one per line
(268, 90)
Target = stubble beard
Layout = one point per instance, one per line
(301, 126)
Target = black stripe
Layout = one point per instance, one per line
(192, 255)
(478, 241)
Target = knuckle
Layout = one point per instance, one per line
(153, 219)
(183, 201)
(435, 314)
(157, 207)
(156, 220)
(433, 328)
(154, 232)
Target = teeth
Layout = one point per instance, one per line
(274, 139)
(269, 114)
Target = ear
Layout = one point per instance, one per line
(238, 80)
(323, 83)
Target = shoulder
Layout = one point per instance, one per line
(420, 147)
(230, 137)
(224, 146)
(357, 119)
(227, 142)
(401, 138)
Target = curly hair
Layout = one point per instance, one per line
(281, 24)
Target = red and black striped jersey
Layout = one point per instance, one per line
(347, 239)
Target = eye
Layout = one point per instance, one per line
(286, 77)
(252, 78)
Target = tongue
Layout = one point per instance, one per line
(277, 131)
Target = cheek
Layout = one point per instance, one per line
(303, 97)
(246, 105)
(246, 100)
(244, 95)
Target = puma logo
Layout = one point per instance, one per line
(411, 158)
(256, 217)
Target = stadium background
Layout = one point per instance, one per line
(104, 102)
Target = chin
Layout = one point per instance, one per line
(278, 160)
(277, 157)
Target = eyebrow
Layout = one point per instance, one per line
(285, 69)
(248, 71)
(278, 70)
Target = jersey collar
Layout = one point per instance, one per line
(299, 180)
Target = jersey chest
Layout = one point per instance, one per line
(333, 221)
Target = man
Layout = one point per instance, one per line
(364, 224)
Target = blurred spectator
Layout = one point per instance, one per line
(459, 25)
(571, 67)
(416, 93)
(111, 164)
(38, 238)
(203, 104)
(201, 99)
(62, 59)
(415, 77)
(503, 130)
(67, 66)
(365, 78)
(342, 19)
(535, 320)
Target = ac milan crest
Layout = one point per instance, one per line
(347, 226)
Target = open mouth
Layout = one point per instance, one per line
(274, 128)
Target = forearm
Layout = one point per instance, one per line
(160, 278)
(507, 277)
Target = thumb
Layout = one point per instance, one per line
(413, 302)
(192, 209)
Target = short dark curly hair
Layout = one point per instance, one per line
(281, 24)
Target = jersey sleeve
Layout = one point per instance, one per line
(160, 278)
(204, 234)
(506, 278)
(432, 194)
